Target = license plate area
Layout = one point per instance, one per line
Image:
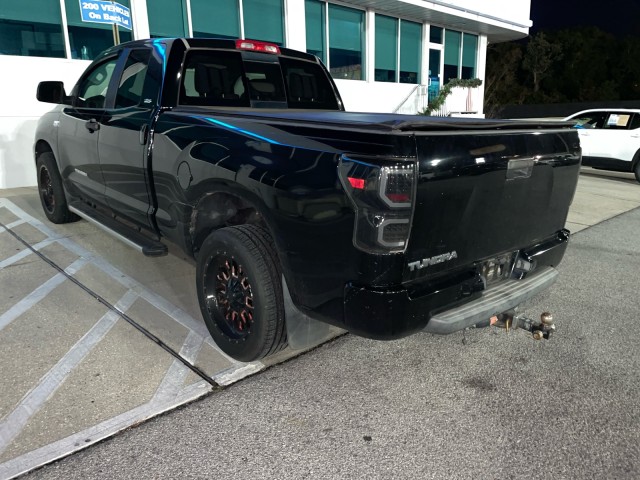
(498, 268)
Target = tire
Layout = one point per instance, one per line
(51, 191)
(240, 292)
(636, 171)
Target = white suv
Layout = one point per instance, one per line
(610, 139)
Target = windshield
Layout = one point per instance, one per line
(222, 78)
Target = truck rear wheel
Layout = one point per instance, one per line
(51, 190)
(240, 292)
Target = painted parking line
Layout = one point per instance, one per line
(171, 391)
(11, 225)
(180, 316)
(23, 253)
(38, 294)
(63, 447)
(13, 424)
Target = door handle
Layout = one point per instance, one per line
(92, 125)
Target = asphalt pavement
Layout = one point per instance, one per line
(480, 404)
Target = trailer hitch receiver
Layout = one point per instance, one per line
(539, 329)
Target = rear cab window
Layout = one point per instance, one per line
(225, 78)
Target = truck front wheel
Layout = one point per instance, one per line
(240, 292)
(51, 190)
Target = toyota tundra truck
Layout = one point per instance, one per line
(242, 154)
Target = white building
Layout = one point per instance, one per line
(386, 55)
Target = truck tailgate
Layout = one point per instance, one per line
(481, 194)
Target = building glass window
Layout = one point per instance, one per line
(31, 28)
(215, 19)
(88, 39)
(167, 18)
(435, 34)
(346, 42)
(410, 51)
(469, 55)
(386, 48)
(434, 73)
(452, 44)
(316, 26)
(264, 20)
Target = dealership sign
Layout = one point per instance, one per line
(100, 11)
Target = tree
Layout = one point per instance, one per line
(539, 58)
(501, 79)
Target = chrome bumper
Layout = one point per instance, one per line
(500, 298)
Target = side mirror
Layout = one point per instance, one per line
(51, 92)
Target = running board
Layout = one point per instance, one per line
(133, 238)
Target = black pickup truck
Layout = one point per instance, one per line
(241, 153)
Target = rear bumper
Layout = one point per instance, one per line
(502, 297)
(389, 314)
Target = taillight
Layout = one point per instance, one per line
(257, 46)
(383, 196)
(396, 185)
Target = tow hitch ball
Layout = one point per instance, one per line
(540, 329)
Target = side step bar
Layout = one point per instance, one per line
(500, 298)
(133, 238)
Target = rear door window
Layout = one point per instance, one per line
(132, 80)
(618, 121)
(635, 121)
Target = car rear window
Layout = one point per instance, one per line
(223, 78)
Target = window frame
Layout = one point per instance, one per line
(327, 39)
(460, 52)
(420, 58)
(30, 25)
(364, 31)
(397, 40)
(399, 21)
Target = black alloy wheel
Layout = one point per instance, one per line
(234, 296)
(51, 191)
(239, 285)
(46, 190)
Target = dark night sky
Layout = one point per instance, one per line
(620, 17)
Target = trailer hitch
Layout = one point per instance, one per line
(540, 329)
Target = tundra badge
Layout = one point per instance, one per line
(426, 262)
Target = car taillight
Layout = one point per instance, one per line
(257, 46)
(383, 196)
